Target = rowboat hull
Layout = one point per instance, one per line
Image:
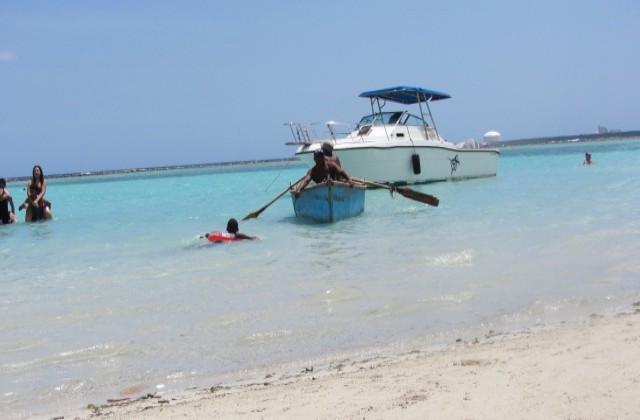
(329, 202)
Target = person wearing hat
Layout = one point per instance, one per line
(322, 171)
(327, 148)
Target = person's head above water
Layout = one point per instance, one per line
(232, 226)
(318, 155)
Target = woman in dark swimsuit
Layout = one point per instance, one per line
(37, 207)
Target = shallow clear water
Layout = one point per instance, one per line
(118, 295)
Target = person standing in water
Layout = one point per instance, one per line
(587, 159)
(6, 201)
(37, 207)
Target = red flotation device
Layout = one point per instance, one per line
(217, 237)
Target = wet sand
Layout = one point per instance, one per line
(582, 370)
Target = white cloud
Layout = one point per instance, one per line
(7, 56)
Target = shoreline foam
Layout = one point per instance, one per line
(585, 369)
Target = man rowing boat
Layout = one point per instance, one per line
(321, 172)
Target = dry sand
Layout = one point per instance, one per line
(583, 370)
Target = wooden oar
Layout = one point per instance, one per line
(257, 212)
(405, 192)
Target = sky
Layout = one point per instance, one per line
(103, 85)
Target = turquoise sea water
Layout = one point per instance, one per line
(118, 293)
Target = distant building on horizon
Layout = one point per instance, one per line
(605, 130)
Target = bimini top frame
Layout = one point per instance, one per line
(407, 95)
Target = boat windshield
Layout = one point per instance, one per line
(391, 118)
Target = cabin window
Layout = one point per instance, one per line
(386, 118)
(394, 118)
(413, 120)
(391, 118)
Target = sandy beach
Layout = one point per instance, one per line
(582, 370)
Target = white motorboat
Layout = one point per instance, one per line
(397, 147)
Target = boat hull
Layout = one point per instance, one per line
(394, 163)
(329, 202)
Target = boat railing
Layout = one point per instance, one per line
(305, 134)
(302, 134)
(333, 129)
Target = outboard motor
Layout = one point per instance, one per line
(415, 161)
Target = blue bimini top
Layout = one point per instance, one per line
(406, 94)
